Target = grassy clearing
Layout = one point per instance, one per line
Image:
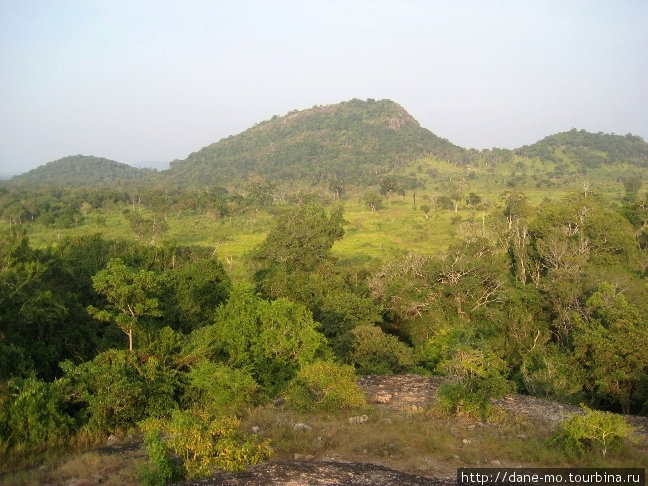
(422, 442)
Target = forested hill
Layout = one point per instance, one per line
(589, 149)
(82, 170)
(355, 140)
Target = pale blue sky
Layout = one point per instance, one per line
(156, 80)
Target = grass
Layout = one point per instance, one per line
(419, 442)
(422, 442)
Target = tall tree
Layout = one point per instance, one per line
(130, 293)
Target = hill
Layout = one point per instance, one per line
(589, 150)
(355, 140)
(82, 170)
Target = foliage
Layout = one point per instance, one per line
(354, 140)
(548, 373)
(219, 388)
(596, 430)
(162, 468)
(299, 239)
(131, 294)
(119, 388)
(374, 352)
(271, 340)
(457, 400)
(324, 385)
(80, 170)
(612, 344)
(32, 415)
(204, 442)
(372, 200)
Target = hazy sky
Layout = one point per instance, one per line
(156, 80)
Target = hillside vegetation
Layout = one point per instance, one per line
(357, 140)
(185, 314)
(82, 170)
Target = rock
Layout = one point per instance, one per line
(319, 473)
(255, 429)
(111, 440)
(278, 402)
(496, 463)
(302, 426)
(382, 398)
(360, 419)
(466, 441)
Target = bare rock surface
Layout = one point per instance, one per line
(400, 392)
(318, 473)
(408, 392)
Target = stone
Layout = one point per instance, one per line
(357, 420)
(382, 398)
(302, 426)
(319, 473)
(255, 429)
(111, 440)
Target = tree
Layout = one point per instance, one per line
(300, 238)
(130, 293)
(147, 228)
(612, 344)
(372, 200)
(515, 206)
(271, 340)
(391, 186)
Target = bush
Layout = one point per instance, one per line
(31, 415)
(219, 387)
(374, 352)
(162, 468)
(206, 442)
(457, 399)
(324, 385)
(595, 430)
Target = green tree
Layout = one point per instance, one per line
(372, 200)
(300, 238)
(611, 342)
(391, 186)
(130, 294)
(271, 340)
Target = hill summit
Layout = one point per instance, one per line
(82, 170)
(356, 140)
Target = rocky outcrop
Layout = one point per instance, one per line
(316, 473)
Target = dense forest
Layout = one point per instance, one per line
(539, 287)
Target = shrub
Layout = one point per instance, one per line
(595, 430)
(374, 352)
(219, 387)
(457, 399)
(324, 385)
(205, 442)
(31, 415)
(162, 467)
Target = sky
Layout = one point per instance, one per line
(140, 80)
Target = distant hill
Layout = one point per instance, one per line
(589, 149)
(355, 140)
(82, 170)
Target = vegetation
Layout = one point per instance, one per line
(180, 313)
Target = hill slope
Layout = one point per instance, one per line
(589, 150)
(355, 140)
(82, 170)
